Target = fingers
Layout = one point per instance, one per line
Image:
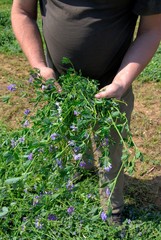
(58, 87)
(102, 94)
(48, 73)
(110, 91)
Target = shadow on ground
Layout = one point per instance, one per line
(143, 198)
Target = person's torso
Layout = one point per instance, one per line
(93, 34)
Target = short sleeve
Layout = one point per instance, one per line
(147, 7)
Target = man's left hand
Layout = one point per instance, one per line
(113, 90)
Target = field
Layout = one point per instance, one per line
(142, 189)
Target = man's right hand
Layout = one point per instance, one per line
(48, 73)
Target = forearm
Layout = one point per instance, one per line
(137, 58)
(29, 38)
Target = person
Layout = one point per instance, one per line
(108, 40)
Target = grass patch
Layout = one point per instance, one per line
(5, 4)
(152, 72)
(8, 43)
(142, 217)
(29, 206)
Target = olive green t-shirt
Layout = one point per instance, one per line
(93, 34)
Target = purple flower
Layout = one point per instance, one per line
(35, 201)
(24, 219)
(108, 168)
(32, 77)
(25, 190)
(89, 195)
(12, 87)
(77, 156)
(51, 148)
(26, 123)
(21, 139)
(23, 227)
(128, 221)
(38, 224)
(59, 163)
(30, 156)
(48, 193)
(13, 143)
(105, 142)
(70, 185)
(53, 136)
(108, 191)
(52, 217)
(70, 210)
(40, 150)
(27, 111)
(76, 113)
(73, 127)
(43, 87)
(82, 164)
(103, 216)
(76, 149)
(71, 143)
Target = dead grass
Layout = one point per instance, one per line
(15, 69)
(146, 121)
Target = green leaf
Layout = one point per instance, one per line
(95, 218)
(2, 214)
(109, 212)
(104, 185)
(115, 114)
(56, 195)
(139, 155)
(8, 155)
(27, 163)
(66, 60)
(5, 98)
(13, 204)
(12, 180)
(94, 210)
(4, 211)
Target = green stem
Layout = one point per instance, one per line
(115, 181)
(116, 128)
